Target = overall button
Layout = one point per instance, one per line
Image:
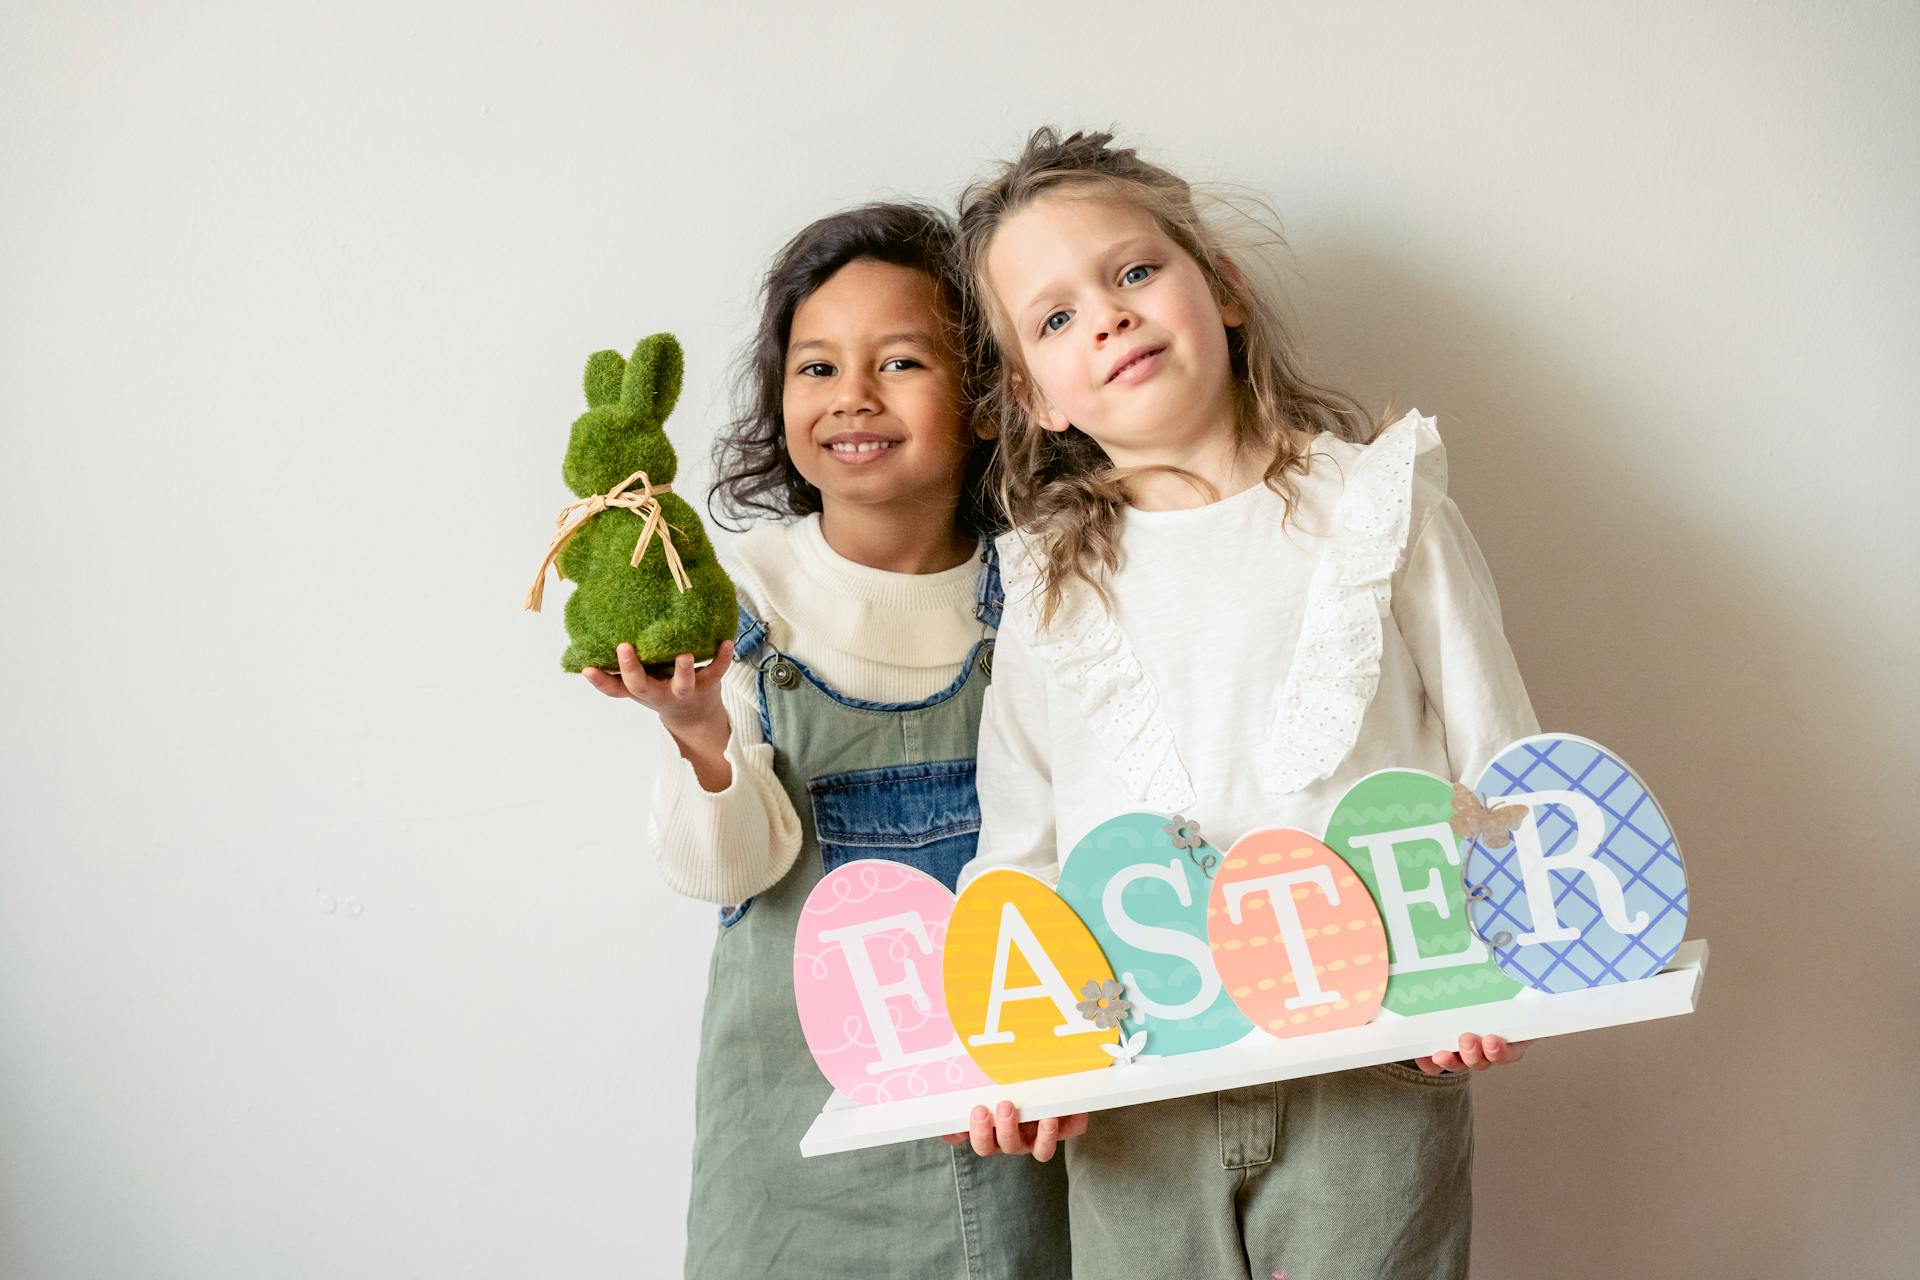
(784, 673)
(986, 658)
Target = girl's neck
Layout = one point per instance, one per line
(896, 540)
(1214, 455)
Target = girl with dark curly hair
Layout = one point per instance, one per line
(839, 724)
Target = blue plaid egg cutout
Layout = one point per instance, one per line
(1634, 844)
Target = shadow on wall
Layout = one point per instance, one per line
(1641, 618)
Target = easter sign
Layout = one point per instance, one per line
(1547, 898)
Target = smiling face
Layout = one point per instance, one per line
(1118, 331)
(872, 394)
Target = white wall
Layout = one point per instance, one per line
(327, 947)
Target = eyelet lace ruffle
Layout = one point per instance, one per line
(1088, 652)
(1336, 661)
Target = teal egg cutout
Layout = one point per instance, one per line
(1144, 898)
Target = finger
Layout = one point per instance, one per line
(1447, 1061)
(607, 684)
(1073, 1126)
(1046, 1137)
(708, 675)
(1501, 1053)
(682, 681)
(1429, 1066)
(1471, 1052)
(633, 676)
(953, 1139)
(1006, 1130)
(980, 1132)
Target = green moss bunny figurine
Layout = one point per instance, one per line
(645, 573)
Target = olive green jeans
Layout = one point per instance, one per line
(1356, 1175)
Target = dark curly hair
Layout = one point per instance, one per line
(755, 476)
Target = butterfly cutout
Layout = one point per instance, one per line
(1128, 1050)
(1475, 820)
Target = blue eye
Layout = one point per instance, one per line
(1136, 274)
(1049, 325)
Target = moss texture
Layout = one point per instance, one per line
(624, 431)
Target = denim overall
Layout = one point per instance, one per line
(868, 780)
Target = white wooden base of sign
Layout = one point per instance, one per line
(1531, 1015)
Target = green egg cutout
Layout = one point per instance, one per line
(1392, 828)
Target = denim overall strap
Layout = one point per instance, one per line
(750, 638)
(866, 779)
(989, 596)
(751, 642)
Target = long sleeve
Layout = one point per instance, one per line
(724, 846)
(1449, 614)
(1015, 774)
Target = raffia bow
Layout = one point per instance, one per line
(646, 503)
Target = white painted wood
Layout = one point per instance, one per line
(1531, 1015)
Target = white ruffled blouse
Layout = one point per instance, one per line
(1251, 671)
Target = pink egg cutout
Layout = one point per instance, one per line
(848, 974)
(1338, 933)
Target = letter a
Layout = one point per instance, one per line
(1016, 932)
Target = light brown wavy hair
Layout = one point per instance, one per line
(1059, 490)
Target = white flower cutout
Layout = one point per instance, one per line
(1127, 1050)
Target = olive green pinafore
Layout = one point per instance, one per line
(867, 780)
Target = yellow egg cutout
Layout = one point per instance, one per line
(1295, 935)
(1016, 959)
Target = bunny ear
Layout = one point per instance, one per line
(1114, 1050)
(604, 370)
(1136, 1042)
(652, 383)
